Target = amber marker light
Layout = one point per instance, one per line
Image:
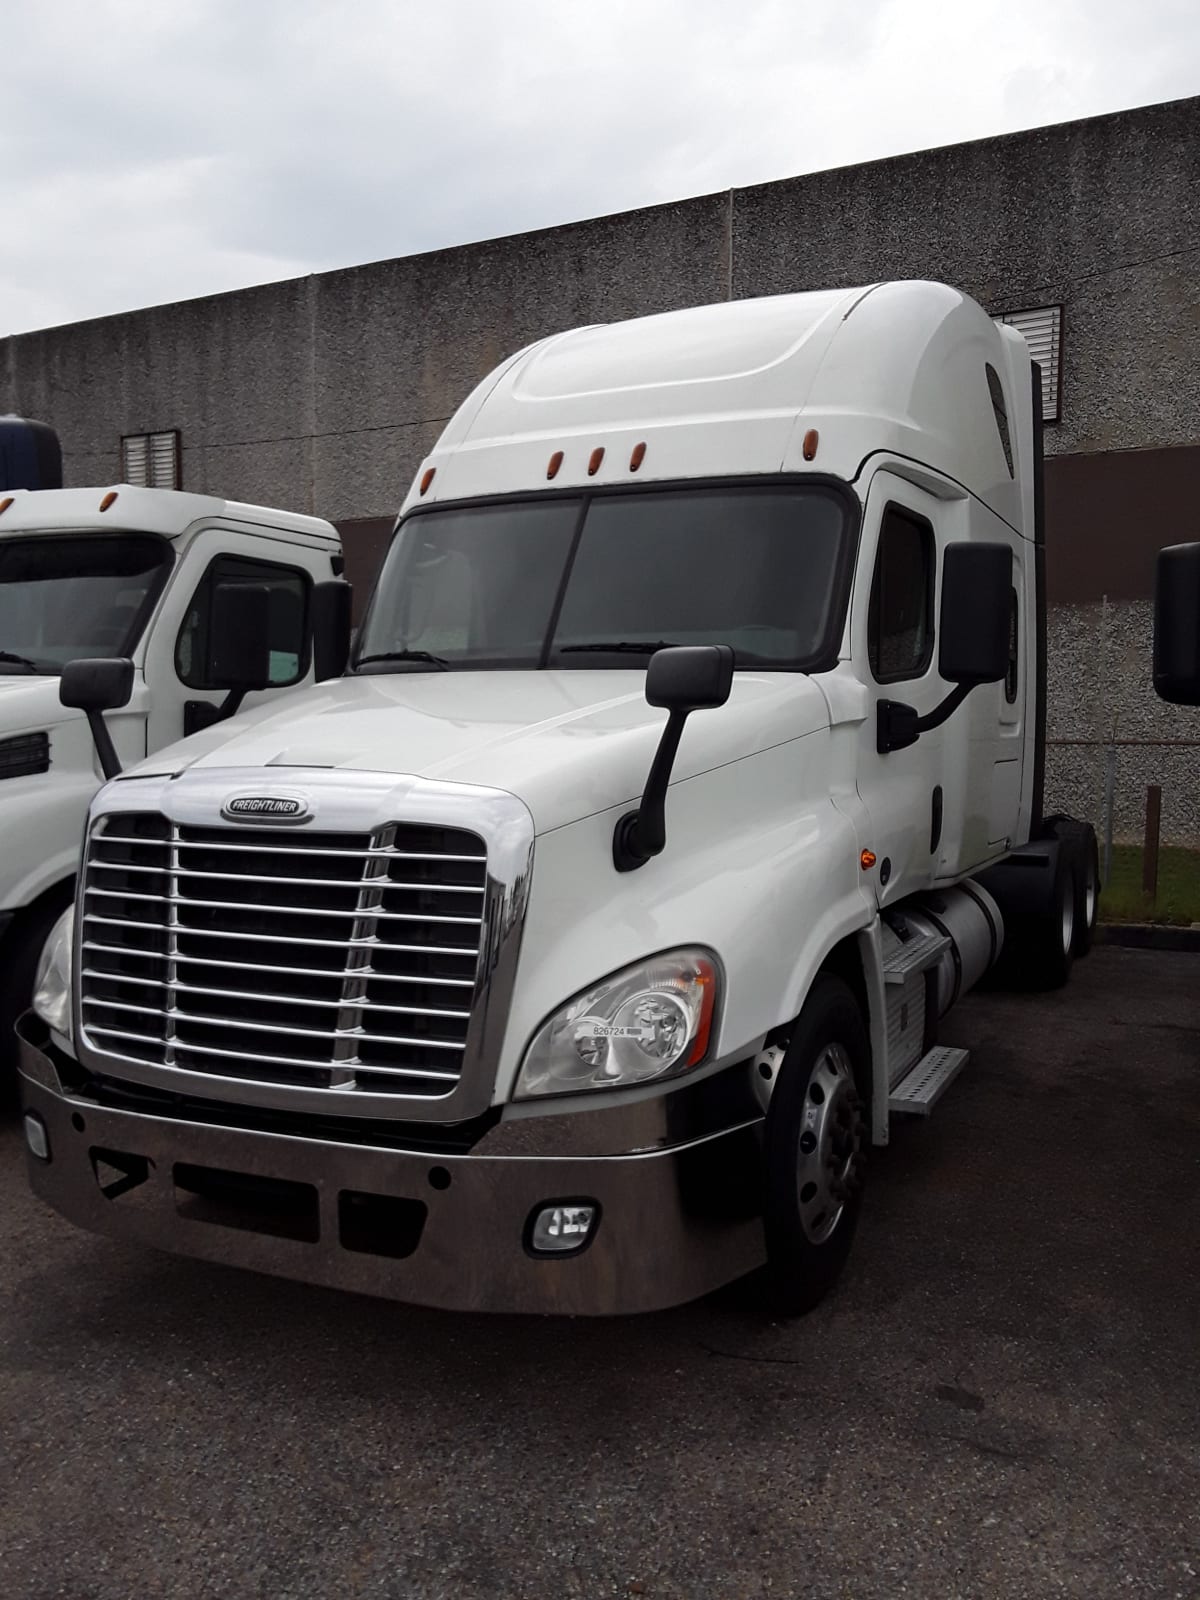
(555, 462)
(427, 478)
(4, 504)
(109, 498)
(597, 456)
(706, 977)
(810, 444)
(867, 860)
(638, 456)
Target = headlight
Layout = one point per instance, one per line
(650, 1021)
(52, 986)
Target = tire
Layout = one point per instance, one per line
(814, 1150)
(1039, 951)
(1080, 839)
(18, 965)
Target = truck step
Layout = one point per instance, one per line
(920, 1090)
(914, 956)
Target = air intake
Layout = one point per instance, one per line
(24, 754)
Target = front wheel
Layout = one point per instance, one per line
(815, 1149)
(18, 963)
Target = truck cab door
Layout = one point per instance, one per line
(913, 796)
(178, 647)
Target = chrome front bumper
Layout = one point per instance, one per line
(450, 1230)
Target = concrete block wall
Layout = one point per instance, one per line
(324, 393)
(1102, 215)
(1100, 692)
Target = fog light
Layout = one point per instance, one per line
(558, 1230)
(36, 1136)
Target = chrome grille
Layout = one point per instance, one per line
(345, 961)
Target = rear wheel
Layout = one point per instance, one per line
(1079, 839)
(1039, 950)
(815, 1149)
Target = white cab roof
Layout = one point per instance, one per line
(170, 512)
(733, 389)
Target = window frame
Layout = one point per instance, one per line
(824, 661)
(254, 561)
(923, 524)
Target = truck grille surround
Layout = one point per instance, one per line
(353, 964)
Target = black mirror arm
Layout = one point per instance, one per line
(642, 833)
(110, 766)
(95, 686)
(231, 704)
(946, 710)
(201, 714)
(898, 725)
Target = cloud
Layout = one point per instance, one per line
(151, 153)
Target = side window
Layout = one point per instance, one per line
(288, 627)
(900, 619)
(1000, 412)
(1011, 676)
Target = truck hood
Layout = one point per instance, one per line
(28, 704)
(567, 743)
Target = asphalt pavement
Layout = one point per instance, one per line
(1001, 1400)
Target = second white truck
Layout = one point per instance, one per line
(572, 951)
(121, 572)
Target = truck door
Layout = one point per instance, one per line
(914, 797)
(177, 651)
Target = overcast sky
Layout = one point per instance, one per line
(151, 150)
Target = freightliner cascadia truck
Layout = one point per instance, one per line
(571, 951)
(133, 573)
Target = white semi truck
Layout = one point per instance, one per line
(570, 952)
(121, 572)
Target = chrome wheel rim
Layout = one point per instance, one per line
(1091, 893)
(1068, 920)
(830, 1148)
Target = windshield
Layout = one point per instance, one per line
(604, 580)
(74, 595)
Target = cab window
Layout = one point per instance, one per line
(288, 619)
(900, 617)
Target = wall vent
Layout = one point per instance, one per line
(1042, 327)
(151, 460)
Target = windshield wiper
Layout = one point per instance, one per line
(439, 662)
(20, 661)
(633, 647)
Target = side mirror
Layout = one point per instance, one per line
(1177, 625)
(103, 685)
(331, 604)
(690, 677)
(239, 642)
(94, 687)
(682, 679)
(976, 613)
